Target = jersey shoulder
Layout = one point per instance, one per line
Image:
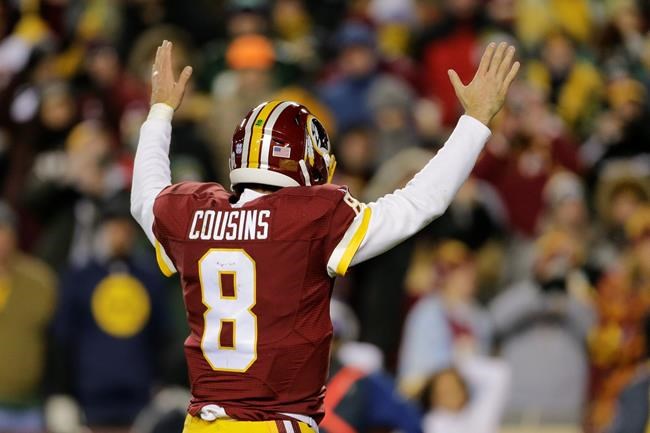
(197, 190)
(175, 205)
(320, 198)
(330, 192)
(189, 196)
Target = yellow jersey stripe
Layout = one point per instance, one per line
(197, 425)
(258, 131)
(355, 242)
(164, 268)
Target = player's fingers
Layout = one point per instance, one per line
(506, 63)
(168, 59)
(455, 82)
(155, 69)
(156, 60)
(511, 76)
(160, 61)
(184, 78)
(496, 59)
(485, 60)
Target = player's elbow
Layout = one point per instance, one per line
(427, 208)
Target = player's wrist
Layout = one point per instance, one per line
(484, 118)
(161, 111)
(475, 126)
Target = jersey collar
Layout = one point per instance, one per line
(246, 196)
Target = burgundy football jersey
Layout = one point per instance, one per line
(257, 293)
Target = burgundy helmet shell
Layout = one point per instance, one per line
(280, 143)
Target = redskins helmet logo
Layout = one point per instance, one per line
(318, 136)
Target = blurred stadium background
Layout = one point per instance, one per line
(523, 309)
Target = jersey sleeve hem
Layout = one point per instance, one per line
(341, 257)
(164, 262)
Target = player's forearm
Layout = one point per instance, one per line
(151, 171)
(401, 214)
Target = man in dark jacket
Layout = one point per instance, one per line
(110, 327)
(632, 415)
(361, 398)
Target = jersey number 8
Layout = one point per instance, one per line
(228, 286)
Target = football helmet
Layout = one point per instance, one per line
(280, 143)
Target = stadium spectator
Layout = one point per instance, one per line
(632, 414)
(620, 132)
(621, 41)
(623, 188)
(107, 90)
(248, 82)
(355, 157)
(541, 325)
(573, 86)
(565, 209)
(617, 341)
(469, 397)
(452, 42)
(536, 19)
(361, 396)
(27, 302)
(564, 203)
(390, 102)
(41, 116)
(293, 26)
(444, 322)
(475, 217)
(66, 188)
(529, 143)
(110, 327)
(356, 76)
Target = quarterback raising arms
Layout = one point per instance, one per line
(257, 259)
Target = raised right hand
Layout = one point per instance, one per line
(484, 96)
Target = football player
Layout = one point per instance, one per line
(257, 259)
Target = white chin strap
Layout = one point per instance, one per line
(305, 172)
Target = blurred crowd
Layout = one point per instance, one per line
(526, 305)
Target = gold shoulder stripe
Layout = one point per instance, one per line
(166, 270)
(355, 242)
(258, 131)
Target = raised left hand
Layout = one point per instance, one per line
(164, 87)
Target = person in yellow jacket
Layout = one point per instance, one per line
(27, 301)
(573, 86)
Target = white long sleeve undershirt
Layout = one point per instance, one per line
(394, 217)
(151, 170)
(403, 213)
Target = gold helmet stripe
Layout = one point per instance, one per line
(268, 133)
(247, 134)
(257, 132)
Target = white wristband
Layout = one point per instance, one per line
(161, 111)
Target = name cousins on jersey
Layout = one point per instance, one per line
(240, 225)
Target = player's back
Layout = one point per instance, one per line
(257, 291)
